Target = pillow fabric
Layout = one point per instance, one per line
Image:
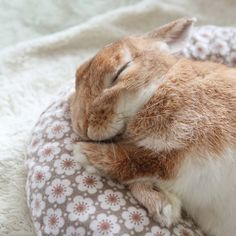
(65, 200)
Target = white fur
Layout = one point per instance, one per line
(82, 159)
(168, 211)
(130, 103)
(164, 207)
(157, 144)
(207, 189)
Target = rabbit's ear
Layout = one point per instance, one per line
(175, 34)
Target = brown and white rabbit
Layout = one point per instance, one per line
(177, 122)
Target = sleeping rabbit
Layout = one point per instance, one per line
(170, 122)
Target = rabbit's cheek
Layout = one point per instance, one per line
(79, 120)
(104, 124)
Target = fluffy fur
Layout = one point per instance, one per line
(173, 121)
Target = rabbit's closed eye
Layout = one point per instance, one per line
(119, 72)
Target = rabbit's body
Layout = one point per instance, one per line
(207, 190)
(193, 108)
(178, 119)
(202, 122)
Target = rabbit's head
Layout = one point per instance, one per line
(113, 85)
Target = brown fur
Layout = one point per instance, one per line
(182, 109)
(125, 162)
(194, 96)
(191, 112)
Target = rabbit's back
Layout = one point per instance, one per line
(194, 108)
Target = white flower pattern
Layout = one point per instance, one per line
(58, 191)
(89, 182)
(37, 204)
(48, 151)
(80, 209)
(66, 165)
(75, 231)
(37, 227)
(105, 225)
(220, 47)
(70, 141)
(158, 231)
(58, 129)
(135, 219)
(65, 200)
(200, 50)
(40, 176)
(53, 221)
(111, 200)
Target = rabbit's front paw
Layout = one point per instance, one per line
(95, 157)
(163, 206)
(168, 210)
(82, 154)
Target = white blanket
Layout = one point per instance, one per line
(32, 72)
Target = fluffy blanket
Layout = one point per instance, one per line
(32, 72)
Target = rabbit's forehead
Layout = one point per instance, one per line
(112, 55)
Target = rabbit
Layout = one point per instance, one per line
(162, 124)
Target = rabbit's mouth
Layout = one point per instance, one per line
(118, 137)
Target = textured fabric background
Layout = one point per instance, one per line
(26, 19)
(33, 71)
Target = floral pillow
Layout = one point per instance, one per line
(65, 200)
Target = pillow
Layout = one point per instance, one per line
(217, 44)
(65, 200)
